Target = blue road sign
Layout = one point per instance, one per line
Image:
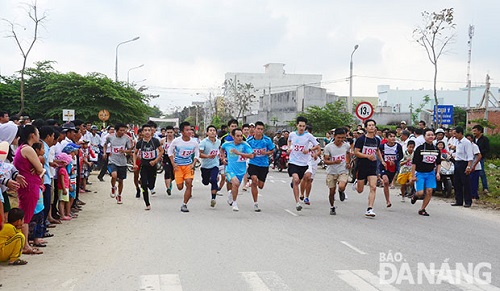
(443, 114)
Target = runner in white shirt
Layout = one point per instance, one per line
(299, 151)
(312, 167)
(167, 165)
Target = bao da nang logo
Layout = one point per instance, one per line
(394, 269)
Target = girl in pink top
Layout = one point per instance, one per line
(64, 185)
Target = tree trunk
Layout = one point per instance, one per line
(21, 111)
(435, 93)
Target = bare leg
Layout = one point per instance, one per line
(255, 191)
(385, 180)
(235, 184)
(331, 196)
(372, 181)
(296, 182)
(120, 186)
(189, 190)
(427, 198)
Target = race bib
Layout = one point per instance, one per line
(116, 150)
(259, 152)
(408, 164)
(369, 150)
(241, 159)
(389, 158)
(214, 152)
(429, 159)
(149, 155)
(166, 146)
(298, 148)
(186, 153)
(341, 158)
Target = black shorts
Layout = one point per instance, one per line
(260, 172)
(364, 172)
(169, 171)
(121, 171)
(299, 170)
(389, 175)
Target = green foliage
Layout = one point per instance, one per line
(48, 92)
(494, 146)
(330, 116)
(459, 116)
(239, 97)
(415, 115)
(484, 123)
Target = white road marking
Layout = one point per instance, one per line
(165, 282)
(272, 181)
(69, 284)
(354, 281)
(374, 280)
(353, 248)
(465, 281)
(294, 214)
(264, 281)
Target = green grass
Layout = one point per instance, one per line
(493, 198)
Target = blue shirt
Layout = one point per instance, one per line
(236, 164)
(210, 148)
(260, 146)
(39, 204)
(46, 166)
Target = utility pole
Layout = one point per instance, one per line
(471, 34)
(487, 100)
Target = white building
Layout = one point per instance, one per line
(273, 80)
(401, 100)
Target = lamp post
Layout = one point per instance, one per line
(128, 72)
(116, 55)
(349, 100)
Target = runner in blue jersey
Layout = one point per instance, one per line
(258, 167)
(237, 152)
(209, 154)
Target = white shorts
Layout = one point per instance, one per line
(312, 168)
(222, 169)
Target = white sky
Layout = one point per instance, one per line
(187, 46)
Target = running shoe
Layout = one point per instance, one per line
(298, 207)
(148, 207)
(332, 211)
(113, 192)
(235, 206)
(306, 201)
(153, 191)
(212, 203)
(256, 207)
(138, 193)
(370, 213)
(342, 195)
(403, 198)
(169, 192)
(354, 185)
(423, 212)
(413, 199)
(119, 199)
(184, 208)
(244, 188)
(230, 198)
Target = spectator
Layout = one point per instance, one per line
(484, 146)
(463, 165)
(475, 168)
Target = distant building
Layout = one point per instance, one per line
(273, 80)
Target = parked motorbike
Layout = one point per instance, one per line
(446, 173)
(283, 158)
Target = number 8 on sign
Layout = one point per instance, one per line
(364, 110)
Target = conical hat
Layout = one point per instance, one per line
(4, 150)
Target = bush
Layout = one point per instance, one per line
(494, 146)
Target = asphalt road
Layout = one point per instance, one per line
(123, 247)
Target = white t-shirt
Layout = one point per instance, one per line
(298, 144)
(476, 151)
(337, 153)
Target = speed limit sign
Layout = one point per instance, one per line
(364, 110)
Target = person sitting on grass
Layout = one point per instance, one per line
(12, 238)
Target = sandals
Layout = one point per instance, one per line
(423, 212)
(39, 245)
(32, 251)
(48, 234)
(413, 199)
(18, 262)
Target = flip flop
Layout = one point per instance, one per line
(32, 251)
(48, 234)
(51, 226)
(389, 205)
(39, 245)
(18, 262)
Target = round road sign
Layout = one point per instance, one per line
(364, 110)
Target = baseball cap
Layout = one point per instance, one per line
(361, 131)
(252, 124)
(439, 130)
(93, 127)
(403, 122)
(70, 147)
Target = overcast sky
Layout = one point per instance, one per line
(187, 46)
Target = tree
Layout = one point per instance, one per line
(239, 97)
(33, 14)
(435, 34)
(330, 116)
(415, 115)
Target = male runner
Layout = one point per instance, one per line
(338, 158)
(392, 152)
(167, 165)
(181, 153)
(298, 148)
(237, 152)
(151, 152)
(258, 167)
(120, 145)
(367, 150)
(209, 154)
(232, 124)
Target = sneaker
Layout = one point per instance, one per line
(332, 211)
(413, 199)
(301, 198)
(235, 206)
(230, 198)
(298, 207)
(169, 192)
(244, 188)
(148, 208)
(256, 207)
(212, 203)
(306, 201)
(342, 196)
(184, 208)
(370, 213)
(423, 212)
(138, 193)
(113, 192)
(403, 198)
(119, 199)
(153, 191)
(354, 185)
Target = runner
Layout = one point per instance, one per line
(298, 148)
(404, 176)
(209, 154)
(367, 149)
(425, 170)
(258, 167)
(338, 158)
(391, 153)
(119, 145)
(150, 152)
(237, 152)
(167, 165)
(232, 124)
(312, 167)
(180, 153)
(137, 169)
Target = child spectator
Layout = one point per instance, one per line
(404, 177)
(88, 156)
(37, 225)
(12, 238)
(63, 185)
(72, 150)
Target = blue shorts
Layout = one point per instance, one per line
(230, 175)
(425, 180)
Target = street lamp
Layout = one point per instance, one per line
(128, 72)
(349, 100)
(116, 55)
